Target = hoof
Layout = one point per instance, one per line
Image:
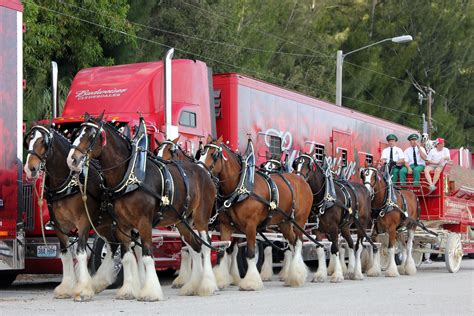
(187, 290)
(337, 278)
(250, 286)
(319, 277)
(125, 296)
(358, 276)
(349, 275)
(373, 273)
(82, 298)
(146, 295)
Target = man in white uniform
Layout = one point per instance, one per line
(394, 156)
(415, 157)
(437, 158)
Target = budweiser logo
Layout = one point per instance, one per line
(100, 93)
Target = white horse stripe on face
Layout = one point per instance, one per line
(77, 141)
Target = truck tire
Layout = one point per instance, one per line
(242, 259)
(97, 255)
(7, 278)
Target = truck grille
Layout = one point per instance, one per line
(28, 206)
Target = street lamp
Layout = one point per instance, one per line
(340, 59)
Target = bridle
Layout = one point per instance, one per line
(298, 163)
(173, 148)
(364, 173)
(48, 137)
(99, 131)
(215, 155)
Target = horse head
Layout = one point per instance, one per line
(214, 154)
(168, 149)
(304, 165)
(370, 176)
(38, 141)
(91, 140)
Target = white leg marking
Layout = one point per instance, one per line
(184, 269)
(392, 270)
(234, 268)
(106, 273)
(66, 288)
(190, 287)
(367, 259)
(337, 276)
(401, 267)
(349, 274)
(83, 290)
(358, 264)
(221, 272)
(267, 267)
(151, 290)
(342, 258)
(140, 265)
(410, 267)
(252, 280)
(298, 269)
(208, 285)
(322, 273)
(131, 279)
(375, 270)
(332, 265)
(285, 270)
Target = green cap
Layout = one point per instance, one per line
(392, 137)
(413, 137)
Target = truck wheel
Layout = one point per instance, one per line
(7, 278)
(98, 254)
(453, 252)
(242, 258)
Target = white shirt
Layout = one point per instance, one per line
(437, 157)
(397, 154)
(409, 156)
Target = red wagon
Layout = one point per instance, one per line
(448, 211)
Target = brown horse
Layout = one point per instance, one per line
(178, 194)
(47, 151)
(226, 272)
(390, 216)
(254, 212)
(351, 205)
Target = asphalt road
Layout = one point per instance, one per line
(433, 291)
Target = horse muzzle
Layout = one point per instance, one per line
(75, 161)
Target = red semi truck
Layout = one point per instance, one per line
(186, 100)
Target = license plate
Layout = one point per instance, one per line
(46, 251)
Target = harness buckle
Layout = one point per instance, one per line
(227, 203)
(165, 200)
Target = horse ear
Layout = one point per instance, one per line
(87, 117)
(101, 116)
(219, 140)
(175, 141)
(362, 171)
(209, 139)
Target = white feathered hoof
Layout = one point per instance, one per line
(126, 293)
(374, 272)
(410, 267)
(298, 269)
(221, 273)
(252, 280)
(285, 270)
(207, 287)
(358, 276)
(267, 268)
(349, 275)
(63, 291)
(178, 282)
(84, 294)
(188, 289)
(337, 277)
(150, 294)
(392, 272)
(320, 277)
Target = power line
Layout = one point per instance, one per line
(379, 73)
(180, 50)
(382, 107)
(199, 38)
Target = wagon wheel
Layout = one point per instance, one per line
(453, 252)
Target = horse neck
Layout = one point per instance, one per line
(230, 175)
(56, 163)
(182, 156)
(316, 182)
(379, 191)
(113, 157)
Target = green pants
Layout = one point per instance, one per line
(416, 174)
(395, 171)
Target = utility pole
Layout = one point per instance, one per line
(428, 110)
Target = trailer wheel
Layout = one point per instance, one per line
(7, 278)
(242, 258)
(99, 252)
(453, 252)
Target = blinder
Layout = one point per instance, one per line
(47, 138)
